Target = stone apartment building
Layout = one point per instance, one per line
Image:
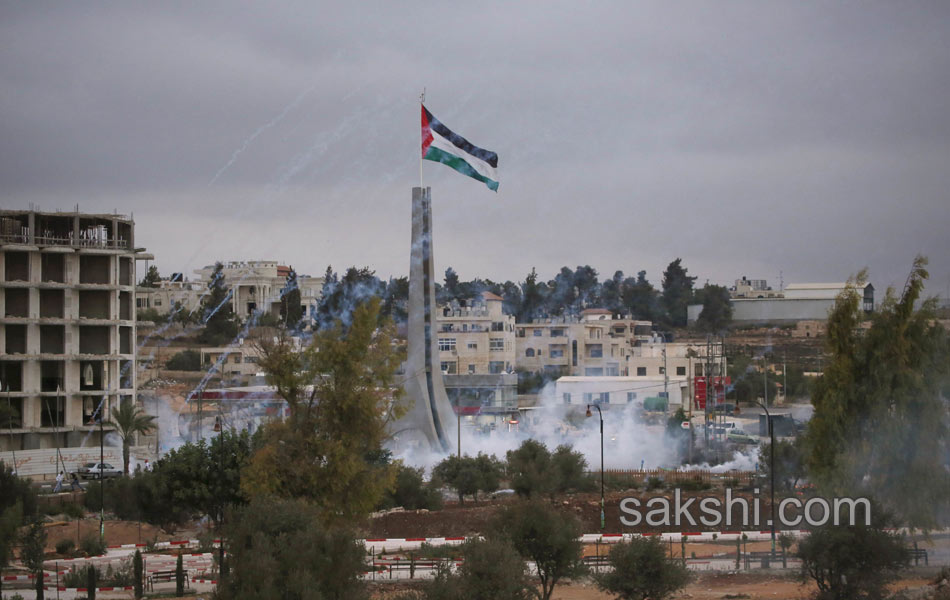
(753, 288)
(477, 354)
(255, 285)
(170, 292)
(67, 325)
(595, 344)
(238, 360)
(657, 374)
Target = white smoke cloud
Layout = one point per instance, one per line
(628, 442)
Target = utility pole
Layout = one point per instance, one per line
(784, 375)
(666, 377)
(707, 372)
(692, 398)
(200, 398)
(102, 459)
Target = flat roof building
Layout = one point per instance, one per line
(67, 325)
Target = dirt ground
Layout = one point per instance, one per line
(706, 586)
(117, 532)
(473, 518)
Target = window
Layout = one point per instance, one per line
(594, 372)
(641, 371)
(250, 360)
(237, 359)
(538, 332)
(471, 369)
(662, 370)
(446, 344)
(496, 326)
(567, 397)
(448, 368)
(681, 370)
(473, 345)
(529, 352)
(613, 370)
(557, 333)
(496, 367)
(496, 345)
(556, 352)
(604, 398)
(631, 396)
(588, 398)
(595, 351)
(158, 302)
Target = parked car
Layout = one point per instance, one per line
(94, 470)
(725, 407)
(739, 436)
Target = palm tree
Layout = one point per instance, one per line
(129, 420)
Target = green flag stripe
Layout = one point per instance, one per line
(459, 164)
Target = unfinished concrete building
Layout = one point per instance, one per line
(67, 326)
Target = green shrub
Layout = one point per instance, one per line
(654, 483)
(301, 553)
(412, 492)
(149, 314)
(641, 569)
(206, 541)
(74, 579)
(91, 498)
(694, 485)
(92, 546)
(427, 550)
(186, 360)
(120, 576)
(65, 547)
(73, 510)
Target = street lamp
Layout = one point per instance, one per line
(102, 459)
(602, 503)
(768, 420)
(218, 429)
(10, 423)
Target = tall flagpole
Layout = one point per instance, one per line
(422, 99)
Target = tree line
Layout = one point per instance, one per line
(567, 294)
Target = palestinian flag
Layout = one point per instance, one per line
(442, 145)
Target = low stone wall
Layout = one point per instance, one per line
(41, 465)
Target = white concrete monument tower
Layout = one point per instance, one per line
(430, 414)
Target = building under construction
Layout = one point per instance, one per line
(67, 327)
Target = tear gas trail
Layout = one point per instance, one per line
(282, 180)
(252, 320)
(260, 130)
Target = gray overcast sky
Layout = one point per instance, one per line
(745, 137)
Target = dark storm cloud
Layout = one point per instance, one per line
(747, 138)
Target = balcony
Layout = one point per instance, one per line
(95, 239)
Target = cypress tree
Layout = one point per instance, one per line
(179, 577)
(137, 573)
(91, 582)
